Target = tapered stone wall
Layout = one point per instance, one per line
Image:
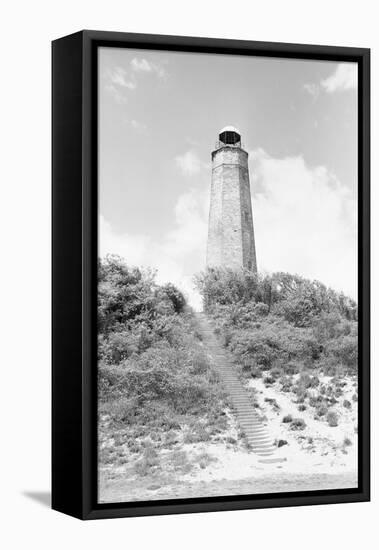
(230, 230)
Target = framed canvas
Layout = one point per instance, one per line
(210, 274)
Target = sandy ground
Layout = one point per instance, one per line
(316, 458)
(123, 490)
(319, 447)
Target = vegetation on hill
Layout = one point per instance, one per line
(159, 400)
(287, 330)
(155, 384)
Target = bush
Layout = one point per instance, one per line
(204, 459)
(332, 418)
(273, 403)
(298, 424)
(154, 377)
(321, 410)
(175, 296)
(288, 418)
(347, 404)
(291, 368)
(286, 387)
(121, 409)
(301, 394)
(255, 372)
(307, 381)
(276, 372)
(282, 322)
(147, 463)
(199, 363)
(345, 350)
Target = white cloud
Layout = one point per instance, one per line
(177, 256)
(144, 66)
(120, 77)
(119, 81)
(305, 221)
(139, 126)
(189, 163)
(116, 93)
(345, 77)
(141, 65)
(312, 89)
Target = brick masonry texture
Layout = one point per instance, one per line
(230, 228)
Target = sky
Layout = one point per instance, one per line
(159, 117)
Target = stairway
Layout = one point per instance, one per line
(256, 433)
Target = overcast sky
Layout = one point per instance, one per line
(159, 117)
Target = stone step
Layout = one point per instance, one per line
(259, 439)
(250, 425)
(264, 454)
(272, 460)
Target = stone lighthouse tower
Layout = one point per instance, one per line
(230, 229)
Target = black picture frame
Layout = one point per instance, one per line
(74, 273)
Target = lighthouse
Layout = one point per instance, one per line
(231, 241)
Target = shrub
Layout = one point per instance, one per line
(298, 424)
(261, 309)
(204, 459)
(291, 368)
(347, 442)
(345, 350)
(154, 377)
(332, 418)
(301, 407)
(199, 362)
(148, 462)
(255, 372)
(316, 400)
(287, 418)
(276, 372)
(321, 410)
(307, 381)
(301, 394)
(286, 387)
(347, 404)
(273, 403)
(329, 369)
(175, 296)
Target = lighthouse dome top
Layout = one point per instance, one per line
(229, 135)
(230, 129)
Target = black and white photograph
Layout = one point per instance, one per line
(186, 287)
(227, 294)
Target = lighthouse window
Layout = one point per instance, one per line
(230, 138)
